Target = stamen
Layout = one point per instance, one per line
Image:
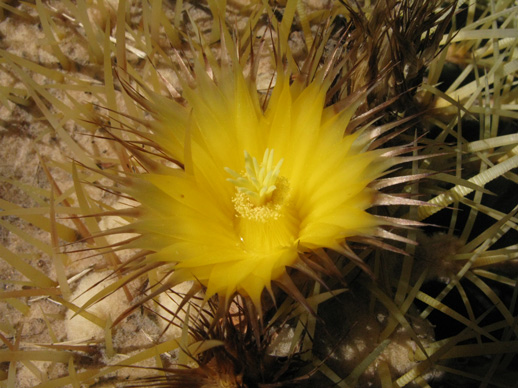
(258, 181)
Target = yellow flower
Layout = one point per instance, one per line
(256, 188)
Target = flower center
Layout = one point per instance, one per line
(265, 221)
(261, 192)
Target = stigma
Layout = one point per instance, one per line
(261, 192)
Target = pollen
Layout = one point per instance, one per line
(261, 193)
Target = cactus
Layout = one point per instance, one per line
(258, 194)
